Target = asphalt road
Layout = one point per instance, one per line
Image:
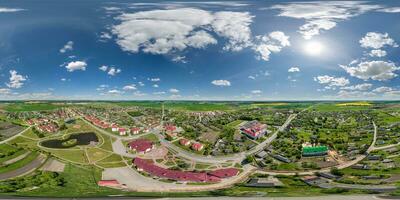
(25, 169)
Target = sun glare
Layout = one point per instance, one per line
(313, 48)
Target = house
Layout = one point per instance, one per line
(122, 131)
(141, 145)
(184, 142)
(315, 151)
(135, 130)
(108, 183)
(281, 158)
(262, 154)
(197, 146)
(114, 128)
(264, 182)
(253, 129)
(169, 128)
(328, 175)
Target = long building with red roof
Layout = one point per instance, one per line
(183, 176)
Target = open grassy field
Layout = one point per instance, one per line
(327, 107)
(188, 106)
(19, 107)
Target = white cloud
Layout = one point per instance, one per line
(8, 10)
(221, 82)
(102, 87)
(377, 40)
(264, 45)
(16, 80)
(322, 15)
(235, 27)
(383, 89)
(377, 53)
(181, 59)
(375, 70)
(391, 10)
(163, 31)
(294, 69)
(363, 86)
(129, 87)
(115, 92)
(154, 79)
(331, 81)
(63, 79)
(76, 65)
(4, 91)
(256, 91)
(141, 84)
(103, 68)
(113, 71)
(173, 90)
(344, 94)
(67, 47)
(155, 86)
(251, 77)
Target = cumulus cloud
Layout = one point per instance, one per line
(67, 47)
(155, 86)
(102, 87)
(174, 30)
(363, 86)
(113, 71)
(377, 53)
(264, 45)
(377, 40)
(235, 27)
(251, 77)
(9, 10)
(16, 80)
(129, 87)
(221, 82)
(115, 92)
(141, 84)
(103, 68)
(345, 94)
(159, 93)
(331, 82)
(173, 90)
(322, 15)
(294, 69)
(163, 31)
(375, 70)
(383, 89)
(76, 65)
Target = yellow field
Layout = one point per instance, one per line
(355, 104)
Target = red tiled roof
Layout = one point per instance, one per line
(108, 183)
(225, 173)
(184, 141)
(141, 145)
(197, 146)
(177, 175)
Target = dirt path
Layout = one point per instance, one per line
(20, 157)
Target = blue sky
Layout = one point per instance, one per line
(192, 50)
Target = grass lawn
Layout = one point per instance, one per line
(111, 164)
(28, 159)
(107, 142)
(96, 154)
(24, 142)
(76, 156)
(111, 158)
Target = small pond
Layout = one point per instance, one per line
(72, 140)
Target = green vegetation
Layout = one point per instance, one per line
(16, 165)
(20, 107)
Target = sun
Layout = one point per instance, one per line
(313, 48)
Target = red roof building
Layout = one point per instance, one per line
(184, 142)
(135, 130)
(108, 183)
(225, 173)
(170, 128)
(184, 176)
(197, 146)
(254, 129)
(141, 145)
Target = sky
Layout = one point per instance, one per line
(199, 50)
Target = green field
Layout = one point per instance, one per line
(20, 107)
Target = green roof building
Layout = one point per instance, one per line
(315, 151)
